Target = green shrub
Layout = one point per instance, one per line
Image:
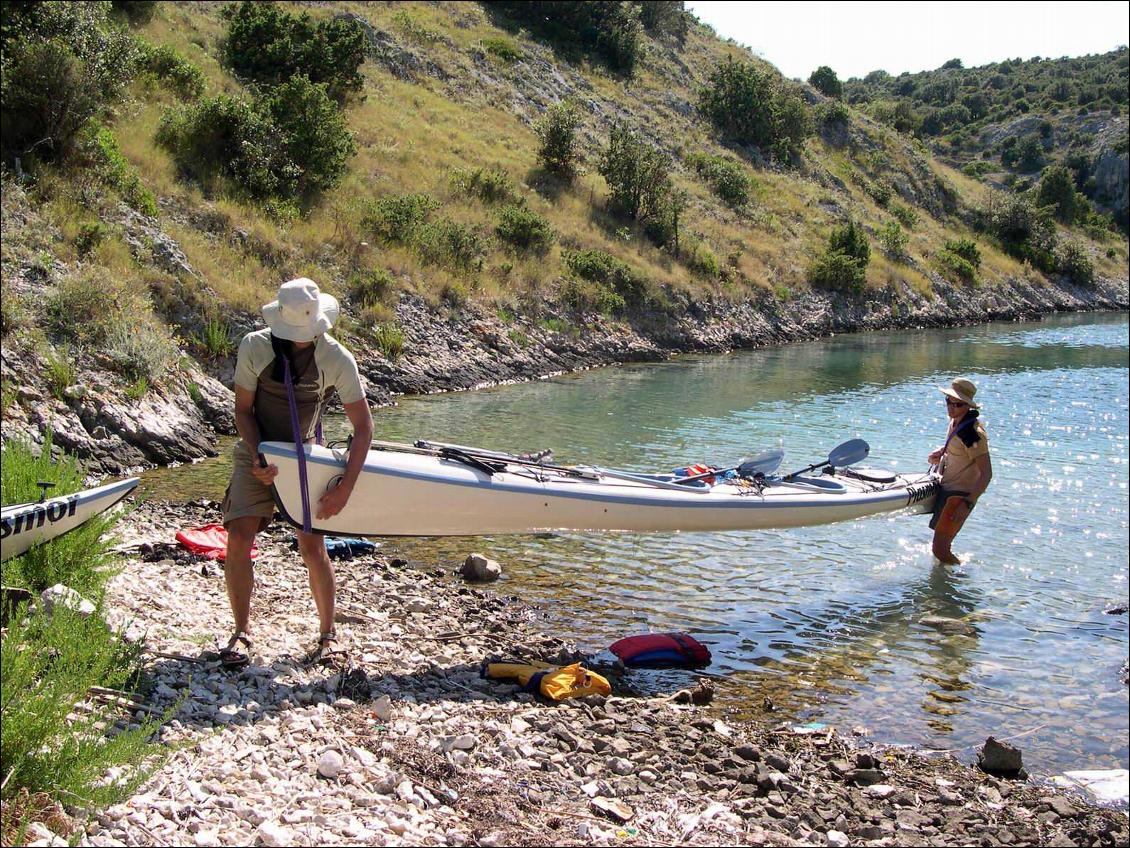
(60, 372)
(47, 99)
(503, 48)
(824, 80)
(105, 157)
(880, 191)
(1057, 190)
(62, 64)
(289, 143)
(610, 32)
(967, 249)
(665, 18)
(389, 340)
(414, 29)
(139, 348)
(454, 294)
(1025, 230)
(905, 214)
(48, 665)
(450, 245)
(749, 106)
(599, 267)
(977, 169)
(838, 272)
(700, 260)
(727, 179)
(170, 67)
(314, 133)
(395, 218)
(215, 339)
(850, 240)
(950, 263)
(89, 236)
(371, 287)
(230, 138)
(489, 186)
(267, 44)
(12, 314)
(639, 178)
(139, 12)
(1073, 260)
(843, 265)
(524, 230)
(833, 114)
(559, 326)
(894, 240)
(558, 150)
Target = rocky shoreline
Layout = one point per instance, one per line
(400, 741)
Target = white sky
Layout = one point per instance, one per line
(854, 38)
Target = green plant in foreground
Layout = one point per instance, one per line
(76, 558)
(47, 665)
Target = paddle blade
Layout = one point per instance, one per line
(763, 464)
(849, 453)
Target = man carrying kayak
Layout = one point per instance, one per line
(282, 377)
(964, 465)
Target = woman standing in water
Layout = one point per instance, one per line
(964, 465)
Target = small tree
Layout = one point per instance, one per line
(316, 137)
(825, 81)
(850, 240)
(894, 239)
(637, 174)
(1057, 189)
(558, 150)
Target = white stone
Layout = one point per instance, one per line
(272, 833)
(382, 708)
(618, 765)
(67, 597)
(330, 764)
(837, 839)
(879, 790)
(480, 569)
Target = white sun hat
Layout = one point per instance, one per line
(962, 390)
(301, 312)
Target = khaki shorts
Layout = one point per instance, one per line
(246, 497)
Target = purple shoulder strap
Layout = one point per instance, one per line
(299, 448)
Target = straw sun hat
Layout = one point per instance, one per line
(962, 390)
(301, 312)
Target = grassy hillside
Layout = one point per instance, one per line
(442, 123)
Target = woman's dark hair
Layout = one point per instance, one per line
(282, 348)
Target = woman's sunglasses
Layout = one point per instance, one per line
(955, 403)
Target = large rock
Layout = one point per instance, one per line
(1000, 759)
(477, 568)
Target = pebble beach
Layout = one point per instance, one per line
(400, 741)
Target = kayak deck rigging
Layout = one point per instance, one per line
(440, 489)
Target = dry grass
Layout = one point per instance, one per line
(411, 135)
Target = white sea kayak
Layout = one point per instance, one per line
(24, 525)
(408, 491)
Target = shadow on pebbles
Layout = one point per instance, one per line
(400, 741)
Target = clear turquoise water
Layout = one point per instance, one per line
(825, 621)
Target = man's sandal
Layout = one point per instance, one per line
(323, 649)
(230, 657)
